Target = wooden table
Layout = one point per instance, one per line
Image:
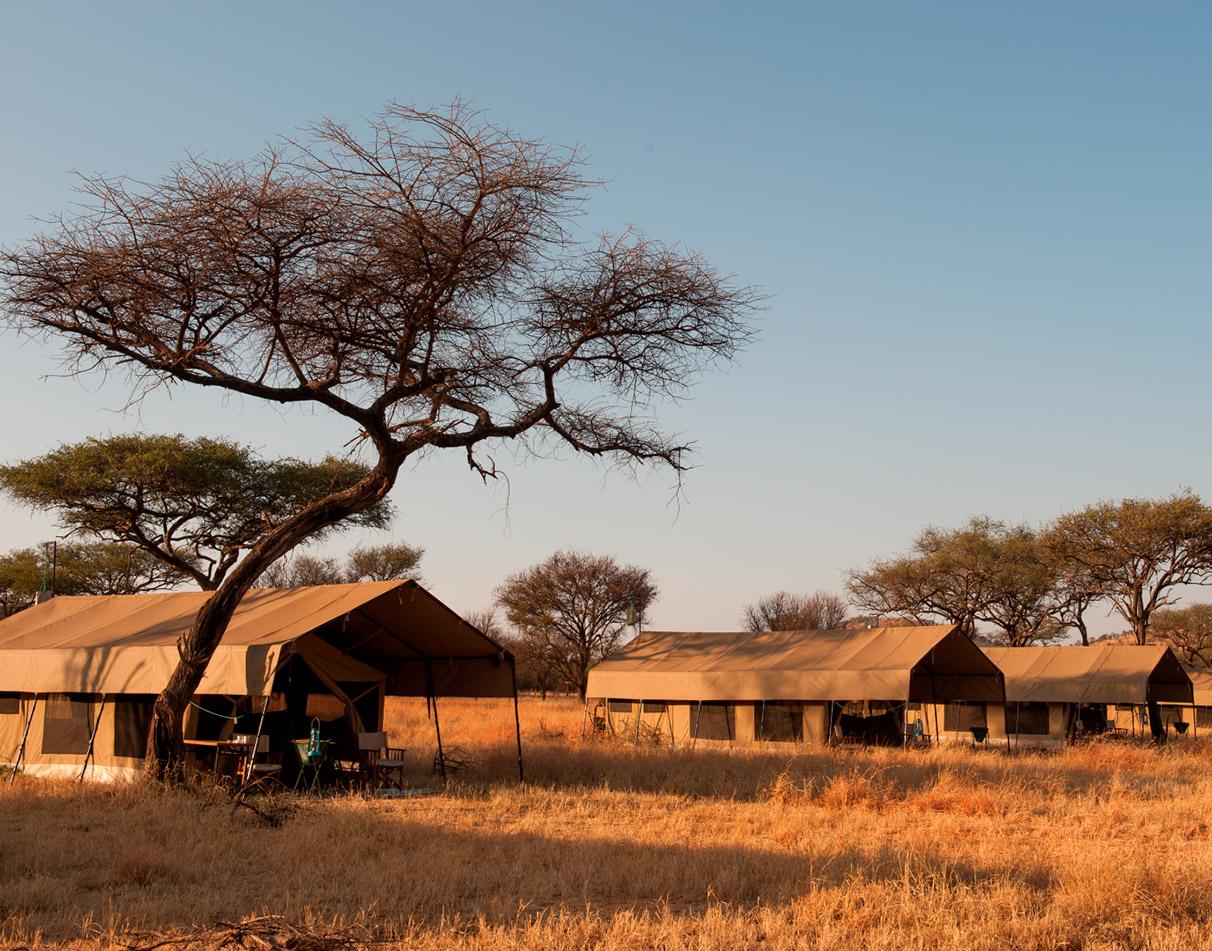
(235, 748)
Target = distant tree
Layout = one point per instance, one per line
(1074, 590)
(419, 281)
(573, 609)
(1021, 595)
(985, 571)
(1188, 630)
(1136, 552)
(784, 611)
(365, 563)
(197, 505)
(95, 568)
(384, 563)
(947, 576)
(486, 622)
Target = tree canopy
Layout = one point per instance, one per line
(573, 610)
(985, 571)
(197, 505)
(1188, 630)
(365, 563)
(1136, 552)
(785, 611)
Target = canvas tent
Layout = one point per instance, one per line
(786, 685)
(1055, 693)
(78, 674)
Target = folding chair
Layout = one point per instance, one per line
(261, 773)
(380, 762)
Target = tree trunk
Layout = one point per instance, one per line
(165, 741)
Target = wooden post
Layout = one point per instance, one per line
(20, 758)
(517, 720)
(92, 738)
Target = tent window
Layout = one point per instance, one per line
(66, 723)
(1203, 716)
(655, 706)
(621, 706)
(961, 716)
(132, 721)
(10, 703)
(713, 721)
(779, 722)
(1028, 719)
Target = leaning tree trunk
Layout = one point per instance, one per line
(165, 741)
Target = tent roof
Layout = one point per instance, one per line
(1101, 673)
(877, 663)
(128, 643)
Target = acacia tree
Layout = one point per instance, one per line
(420, 282)
(984, 571)
(1022, 594)
(1189, 630)
(574, 609)
(948, 575)
(785, 611)
(196, 505)
(1137, 551)
(364, 563)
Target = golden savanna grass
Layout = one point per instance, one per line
(1101, 846)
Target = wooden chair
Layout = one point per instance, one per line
(381, 765)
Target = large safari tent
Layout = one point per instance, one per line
(1055, 694)
(78, 675)
(815, 687)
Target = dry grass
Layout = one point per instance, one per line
(1103, 846)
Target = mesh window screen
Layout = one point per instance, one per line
(132, 720)
(713, 721)
(67, 723)
(779, 722)
(958, 717)
(1028, 719)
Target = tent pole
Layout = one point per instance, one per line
(248, 767)
(12, 776)
(698, 716)
(437, 726)
(92, 738)
(517, 721)
(1005, 712)
(584, 715)
(639, 715)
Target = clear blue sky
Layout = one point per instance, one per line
(985, 230)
